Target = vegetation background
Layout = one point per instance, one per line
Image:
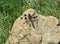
(10, 10)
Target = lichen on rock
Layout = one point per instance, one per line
(33, 28)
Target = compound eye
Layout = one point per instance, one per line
(58, 24)
(29, 14)
(36, 16)
(25, 18)
(33, 14)
(25, 15)
(21, 18)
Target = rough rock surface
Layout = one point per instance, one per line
(33, 28)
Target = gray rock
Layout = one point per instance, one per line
(33, 28)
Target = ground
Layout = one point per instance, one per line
(10, 10)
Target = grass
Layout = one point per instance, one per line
(10, 10)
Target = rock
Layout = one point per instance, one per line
(33, 28)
